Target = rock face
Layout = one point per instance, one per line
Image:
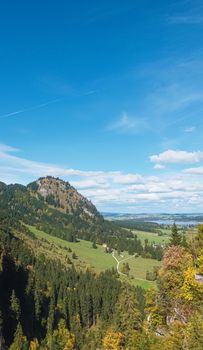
(62, 196)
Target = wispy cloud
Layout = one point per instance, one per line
(186, 19)
(159, 166)
(58, 86)
(174, 106)
(174, 98)
(191, 13)
(104, 13)
(127, 123)
(20, 164)
(174, 91)
(7, 149)
(190, 129)
(29, 109)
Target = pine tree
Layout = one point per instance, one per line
(127, 314)
(76, 329)
(176, 238)
(62, 339)
(68, 261)
(74, 256)
(50, 319)
(94, 246)
(199, 238)
(15, 305)
(20, 341)
(1, 336)
(184, 241)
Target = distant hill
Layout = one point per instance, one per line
(156, 219)
(54, 206)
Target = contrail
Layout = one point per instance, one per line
(7, 115)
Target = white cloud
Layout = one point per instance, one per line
(120, 178)
(83, 184)
(98, 178)
(171, 156)
(159, 166)
(114, 189)
(195, 171)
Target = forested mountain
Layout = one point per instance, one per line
(54, 206)
(57, 208)
(47, 304)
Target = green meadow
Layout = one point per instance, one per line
(138, 268)
(153, 237)
(95, 259)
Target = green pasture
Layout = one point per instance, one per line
(96, 259)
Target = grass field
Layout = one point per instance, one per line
(95, 259)
(152, 237)
(92, 258)
(138, 268)
(155, 238)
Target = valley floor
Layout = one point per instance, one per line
(94, 259)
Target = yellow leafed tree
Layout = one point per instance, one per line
(113, 340)
(34, 344)
(191, 289)
(62, 338)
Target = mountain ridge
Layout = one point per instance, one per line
(54, 206)
(62, 196)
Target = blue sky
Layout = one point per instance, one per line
(107, 95)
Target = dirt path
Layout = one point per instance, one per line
(120, 261)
